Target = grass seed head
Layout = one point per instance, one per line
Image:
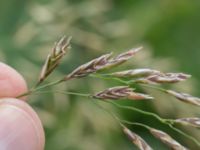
(101, 63)
(136, 139)
(195, 122)
(139, 96)
(90, 67)
(120, 92)
(121, 58)
(61, 46)
(160, 78)
(168, 77)
(54, 58)
(166, 139)
(135, 73)
(185, 97)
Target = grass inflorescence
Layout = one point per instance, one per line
(147, 77)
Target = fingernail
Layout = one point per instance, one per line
(20, 127)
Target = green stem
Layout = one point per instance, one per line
(108, 78)
(168, 122)
(165, 121)
(152, 87)
(136, 124)
(185, 134)
(110, 113)
(39, 88)
(65, 93)
(48, 85)
(120, 121)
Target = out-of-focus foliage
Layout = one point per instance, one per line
(169, 31)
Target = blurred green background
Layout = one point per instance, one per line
(169, 31)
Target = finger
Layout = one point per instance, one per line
(12, 83)
(20, 127)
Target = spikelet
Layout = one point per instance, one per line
(137, 140)
(168, 77)
(144, 72)
(53, 59)
(101, 63)
(195, 122)
(138, 96)
(160, 78)
(90, 67)
(166, 139)
(120, 92)
(185, 97)
(121, 58)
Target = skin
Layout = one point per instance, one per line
(20, 126)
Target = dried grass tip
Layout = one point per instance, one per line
(53, 59)
(121, 92)
(195, 122)
(185, 97)
(166, 139)
(137, 140)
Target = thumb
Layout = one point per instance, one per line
(20, 127)
(12, 83)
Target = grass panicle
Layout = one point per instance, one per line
(127, 79)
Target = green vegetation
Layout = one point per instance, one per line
(168, 31)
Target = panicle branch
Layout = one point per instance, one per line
(136, 76)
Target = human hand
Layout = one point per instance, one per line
(20, 127)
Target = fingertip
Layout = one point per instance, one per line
(12, 83)
(20, 127)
